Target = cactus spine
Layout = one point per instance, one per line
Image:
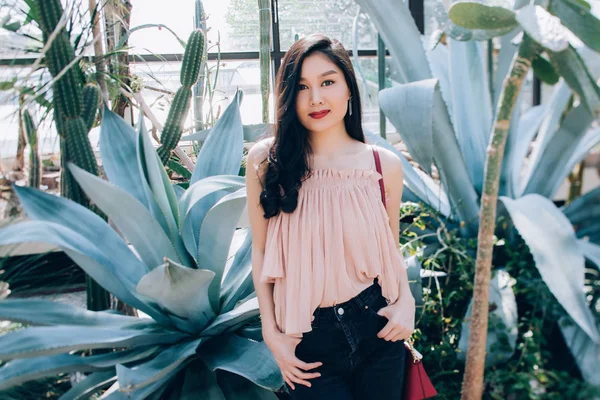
(178, 112)
(35, 166)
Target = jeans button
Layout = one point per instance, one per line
(341, 311)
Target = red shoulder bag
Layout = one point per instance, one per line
(417, 385)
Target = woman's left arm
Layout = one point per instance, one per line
(401, 313)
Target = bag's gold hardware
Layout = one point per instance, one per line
(417, 357)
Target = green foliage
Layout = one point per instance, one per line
(35, 167)
(541, 366)
(172, 263)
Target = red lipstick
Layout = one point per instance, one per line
(319, 114)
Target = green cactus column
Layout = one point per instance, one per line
(190, 69)
(70, 116)
(35, 166)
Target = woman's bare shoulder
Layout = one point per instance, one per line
(258, 153)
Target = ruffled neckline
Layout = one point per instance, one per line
(336, 173)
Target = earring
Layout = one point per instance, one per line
(350, 106)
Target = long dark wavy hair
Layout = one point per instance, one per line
(288, 156)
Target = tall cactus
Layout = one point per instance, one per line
(178, 112)
(264, 12)
(35, 166)
(91, 100)
(68, 116)
(198, 89)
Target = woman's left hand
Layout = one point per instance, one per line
(401, 319)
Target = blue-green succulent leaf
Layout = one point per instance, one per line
(181, 291)
(215, 239)
(46, 341)
(252, 360)
(26, 369)
(237, 282)
(232, 320)
(553, 244)
(27, 311)
(198, 195)
(130, 217)
(86, 224)
(90, 385)
(157, 368)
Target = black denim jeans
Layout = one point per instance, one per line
(356, 363)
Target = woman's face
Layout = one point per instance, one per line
(323, 94)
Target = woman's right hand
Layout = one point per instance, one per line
(292, 368)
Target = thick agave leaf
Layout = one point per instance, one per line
(584, 350)
(199, 381)
(543, 27)
(127, 294)
(90, 385)
(252, 133)
(119, 157)
(553, 165)
(157, 368)
(502, 329)
(237, 388)
(579, 20)
(130, 217)
(402, 38)
(157, 183)
(423, 187)
(226, 139)
(197, 195)
(572, 68)
(553, 244)
(152, 391)
(472, 15)
(584, 212)
(550, 121)
(232, 320)
(46, 341)
(182, 291)
(26, 369)
(471, 105)
(120, 148)
(237, 282)
(414, 278)
(28, 312)
(215, 239)
(403, 105)
(252, 360)
(590, 251)
(82, 222)
(95, 262)
(438, 62)
(522, 131)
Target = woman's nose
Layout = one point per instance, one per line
(315, 98)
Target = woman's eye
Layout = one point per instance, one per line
(301, 87)
(328, 83)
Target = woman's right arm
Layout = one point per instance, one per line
(258, 226)
(281, 345)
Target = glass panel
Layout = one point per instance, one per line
(159, 78)
(334, 18)
(236, 21)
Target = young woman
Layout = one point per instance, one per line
(332, 286)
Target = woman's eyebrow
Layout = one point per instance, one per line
(330, 72)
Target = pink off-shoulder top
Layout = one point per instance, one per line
(331, 247)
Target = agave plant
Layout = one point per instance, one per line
(182, 260)
(444, 109)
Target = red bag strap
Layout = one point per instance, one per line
(378, 167)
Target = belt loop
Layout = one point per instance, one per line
(315, 321)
